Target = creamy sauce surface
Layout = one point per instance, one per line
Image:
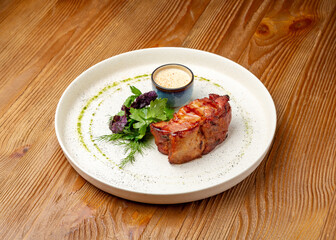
(172, 77)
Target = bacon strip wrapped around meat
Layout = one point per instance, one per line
(195, 130)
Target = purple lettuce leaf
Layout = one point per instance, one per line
(144, 99)
(126, 110)
(118, 123)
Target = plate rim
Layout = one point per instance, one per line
(164, 198)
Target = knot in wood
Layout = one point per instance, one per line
(300, 24)
(18, 153)
(263, 29)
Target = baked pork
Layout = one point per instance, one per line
(195, 129)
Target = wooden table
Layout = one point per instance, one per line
(289, 45)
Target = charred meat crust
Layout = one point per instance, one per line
(195, 130)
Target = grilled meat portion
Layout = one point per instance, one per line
(195, 129)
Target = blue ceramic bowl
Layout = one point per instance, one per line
(177, 97)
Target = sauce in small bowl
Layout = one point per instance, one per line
(174, 82)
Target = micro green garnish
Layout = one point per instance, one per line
(130, 127)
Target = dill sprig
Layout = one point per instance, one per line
(131, 147)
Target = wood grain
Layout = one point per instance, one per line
(300, 197)
(288, 45)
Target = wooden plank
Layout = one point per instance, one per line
(27, 212)
(296, 185)
(54, 33)
(329, 229)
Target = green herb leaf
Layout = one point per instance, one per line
(130, 100)
(139, 124)
(169, 112)
(138, 114)
(142, 131)
(121, 113)
(160, 111)
(135, 91)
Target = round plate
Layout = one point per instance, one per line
(83, 113)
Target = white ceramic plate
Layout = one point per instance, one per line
(83, 111)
